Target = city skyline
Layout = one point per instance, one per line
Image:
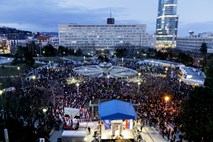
(46, 15)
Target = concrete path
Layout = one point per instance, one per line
(149, 134)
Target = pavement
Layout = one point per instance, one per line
(149, 134)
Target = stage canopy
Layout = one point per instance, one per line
(115, 110)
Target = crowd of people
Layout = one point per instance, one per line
(156, 82)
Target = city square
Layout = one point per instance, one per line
(106, 71)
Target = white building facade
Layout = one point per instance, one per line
(108, 35)
(193, 43)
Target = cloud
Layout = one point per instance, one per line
(196, 27)
(47, 16)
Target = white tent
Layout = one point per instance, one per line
(72, 112)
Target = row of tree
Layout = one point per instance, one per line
(197, 116)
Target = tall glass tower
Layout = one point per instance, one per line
(167, 24)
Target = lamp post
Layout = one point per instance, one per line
(33, 77)
(179, 84)
(139, 83)
(166, 98)
(44, 110)
(139, 75)
(1, 92)
(108, 80)
(77, 84)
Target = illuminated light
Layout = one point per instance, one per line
(77, 84)
(170, 4)
(18, 68)
(44, 110)
(166, 98)
(1, 92)
(33, 77)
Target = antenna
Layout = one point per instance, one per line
(110, 20)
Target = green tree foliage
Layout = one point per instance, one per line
(29, 60)
(103, 58)
(78, 52)
(49, 50)
(17, 104)
(19, 52)
(185, 58)
(197, 116)
(31, 47)
(22, 55)
(209, 73)
(121, 52)
(62, 50)
(162, 55)
(203, 48)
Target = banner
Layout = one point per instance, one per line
(107, 124)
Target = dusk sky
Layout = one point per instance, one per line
(45, 15)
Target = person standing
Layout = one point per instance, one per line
(89, 130)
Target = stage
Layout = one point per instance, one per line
(125, 134)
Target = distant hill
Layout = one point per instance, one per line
(50, 33)
(13, 33)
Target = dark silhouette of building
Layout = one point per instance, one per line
(110, 20)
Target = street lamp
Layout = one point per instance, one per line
(179, 84)
(139, 83)
(139, 75)
(166, 98)
(33, 77)
(1, 92)
(44, 110)
(18, 68)
(77, 84)
(108, 80)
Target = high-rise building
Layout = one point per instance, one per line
(167, 24)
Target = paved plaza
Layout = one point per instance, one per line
(149, 134)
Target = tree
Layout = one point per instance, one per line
(209, 73)
(197, 116)
(49, 50)
(78, 52)
(121, 52)
(29, 60)
(203, 48)
(62, 50)
(161, 55)
(31, 47)
(185, 58)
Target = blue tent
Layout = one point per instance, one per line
(115, 109)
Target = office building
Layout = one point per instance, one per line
(193, 42)
(102, 36)
(167, 24)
